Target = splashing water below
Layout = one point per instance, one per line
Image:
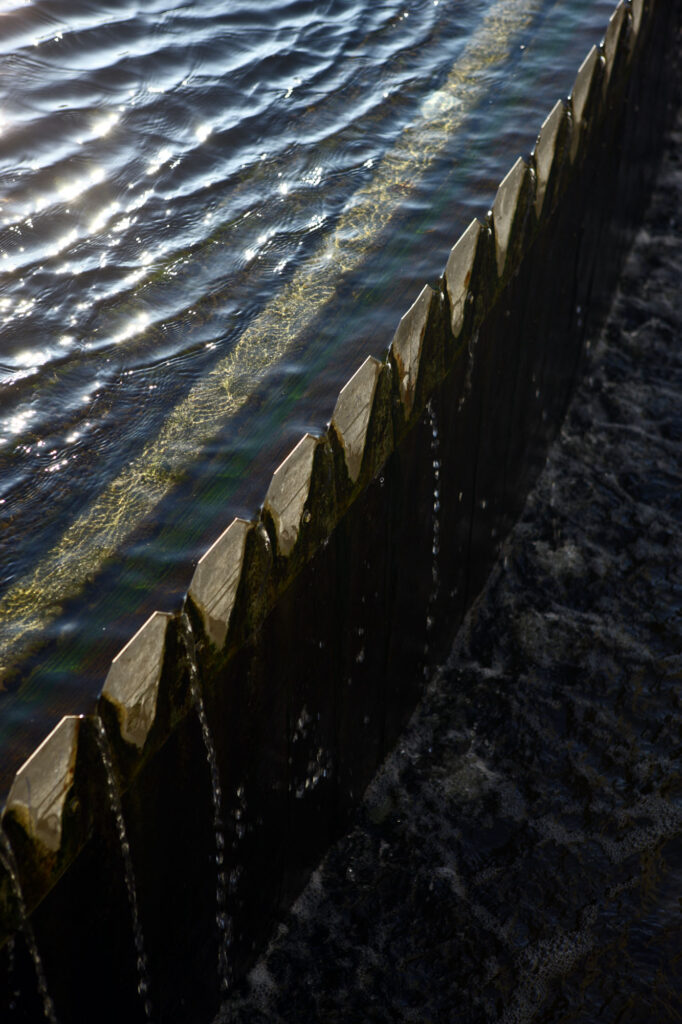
(143, 983)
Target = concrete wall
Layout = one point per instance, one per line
(151, 845)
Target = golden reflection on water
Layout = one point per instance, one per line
(100, 530)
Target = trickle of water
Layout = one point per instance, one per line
(435, 547)
(223, 919)
(435, 538)
(15, 991)
(114, 795)
(238, 832)
(468, 378)
(9, 863)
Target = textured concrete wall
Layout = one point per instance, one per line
(150, 846)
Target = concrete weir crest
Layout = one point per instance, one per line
(504, 210)
(41, 786)
(216, 579)
(545, 152)
(132, 683)
(579, 96)
(611, 38)
(458, 272)
(352, 413)
(288, 492)
(408, 342)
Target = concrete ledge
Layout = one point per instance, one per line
(546, 153)
(42, 785)
(459, 271)
(408, 345)
(509, 211)
(132, 684)
(583, 88)
(216, 579)
(352, 414)
(613, 40)
(288, 493)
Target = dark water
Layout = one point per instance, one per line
(518, 858)
(209, 214)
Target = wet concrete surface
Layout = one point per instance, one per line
(519, 856)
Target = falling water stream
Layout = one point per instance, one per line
(8, 862)
(223, 920)
(143, 983)
(435, 528)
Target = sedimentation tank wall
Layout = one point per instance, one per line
(147, 849)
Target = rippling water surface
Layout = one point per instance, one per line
(209, 214)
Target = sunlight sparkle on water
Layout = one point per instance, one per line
(17, 424)
(99, 222)
(140, 200)
(30, 358)
(104, 124)
(70, 190)
(162, 157)
(135, 326)
(123, 224)
(62, 243)
(313, 177)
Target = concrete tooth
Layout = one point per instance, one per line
(580, 94)
(132, 683)
(504, 210)
(352, 413)
(216, 578)
(544, 152)
(408, 343)
(611, 38)
(41, 786)
(458, 272)
(288, 492)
